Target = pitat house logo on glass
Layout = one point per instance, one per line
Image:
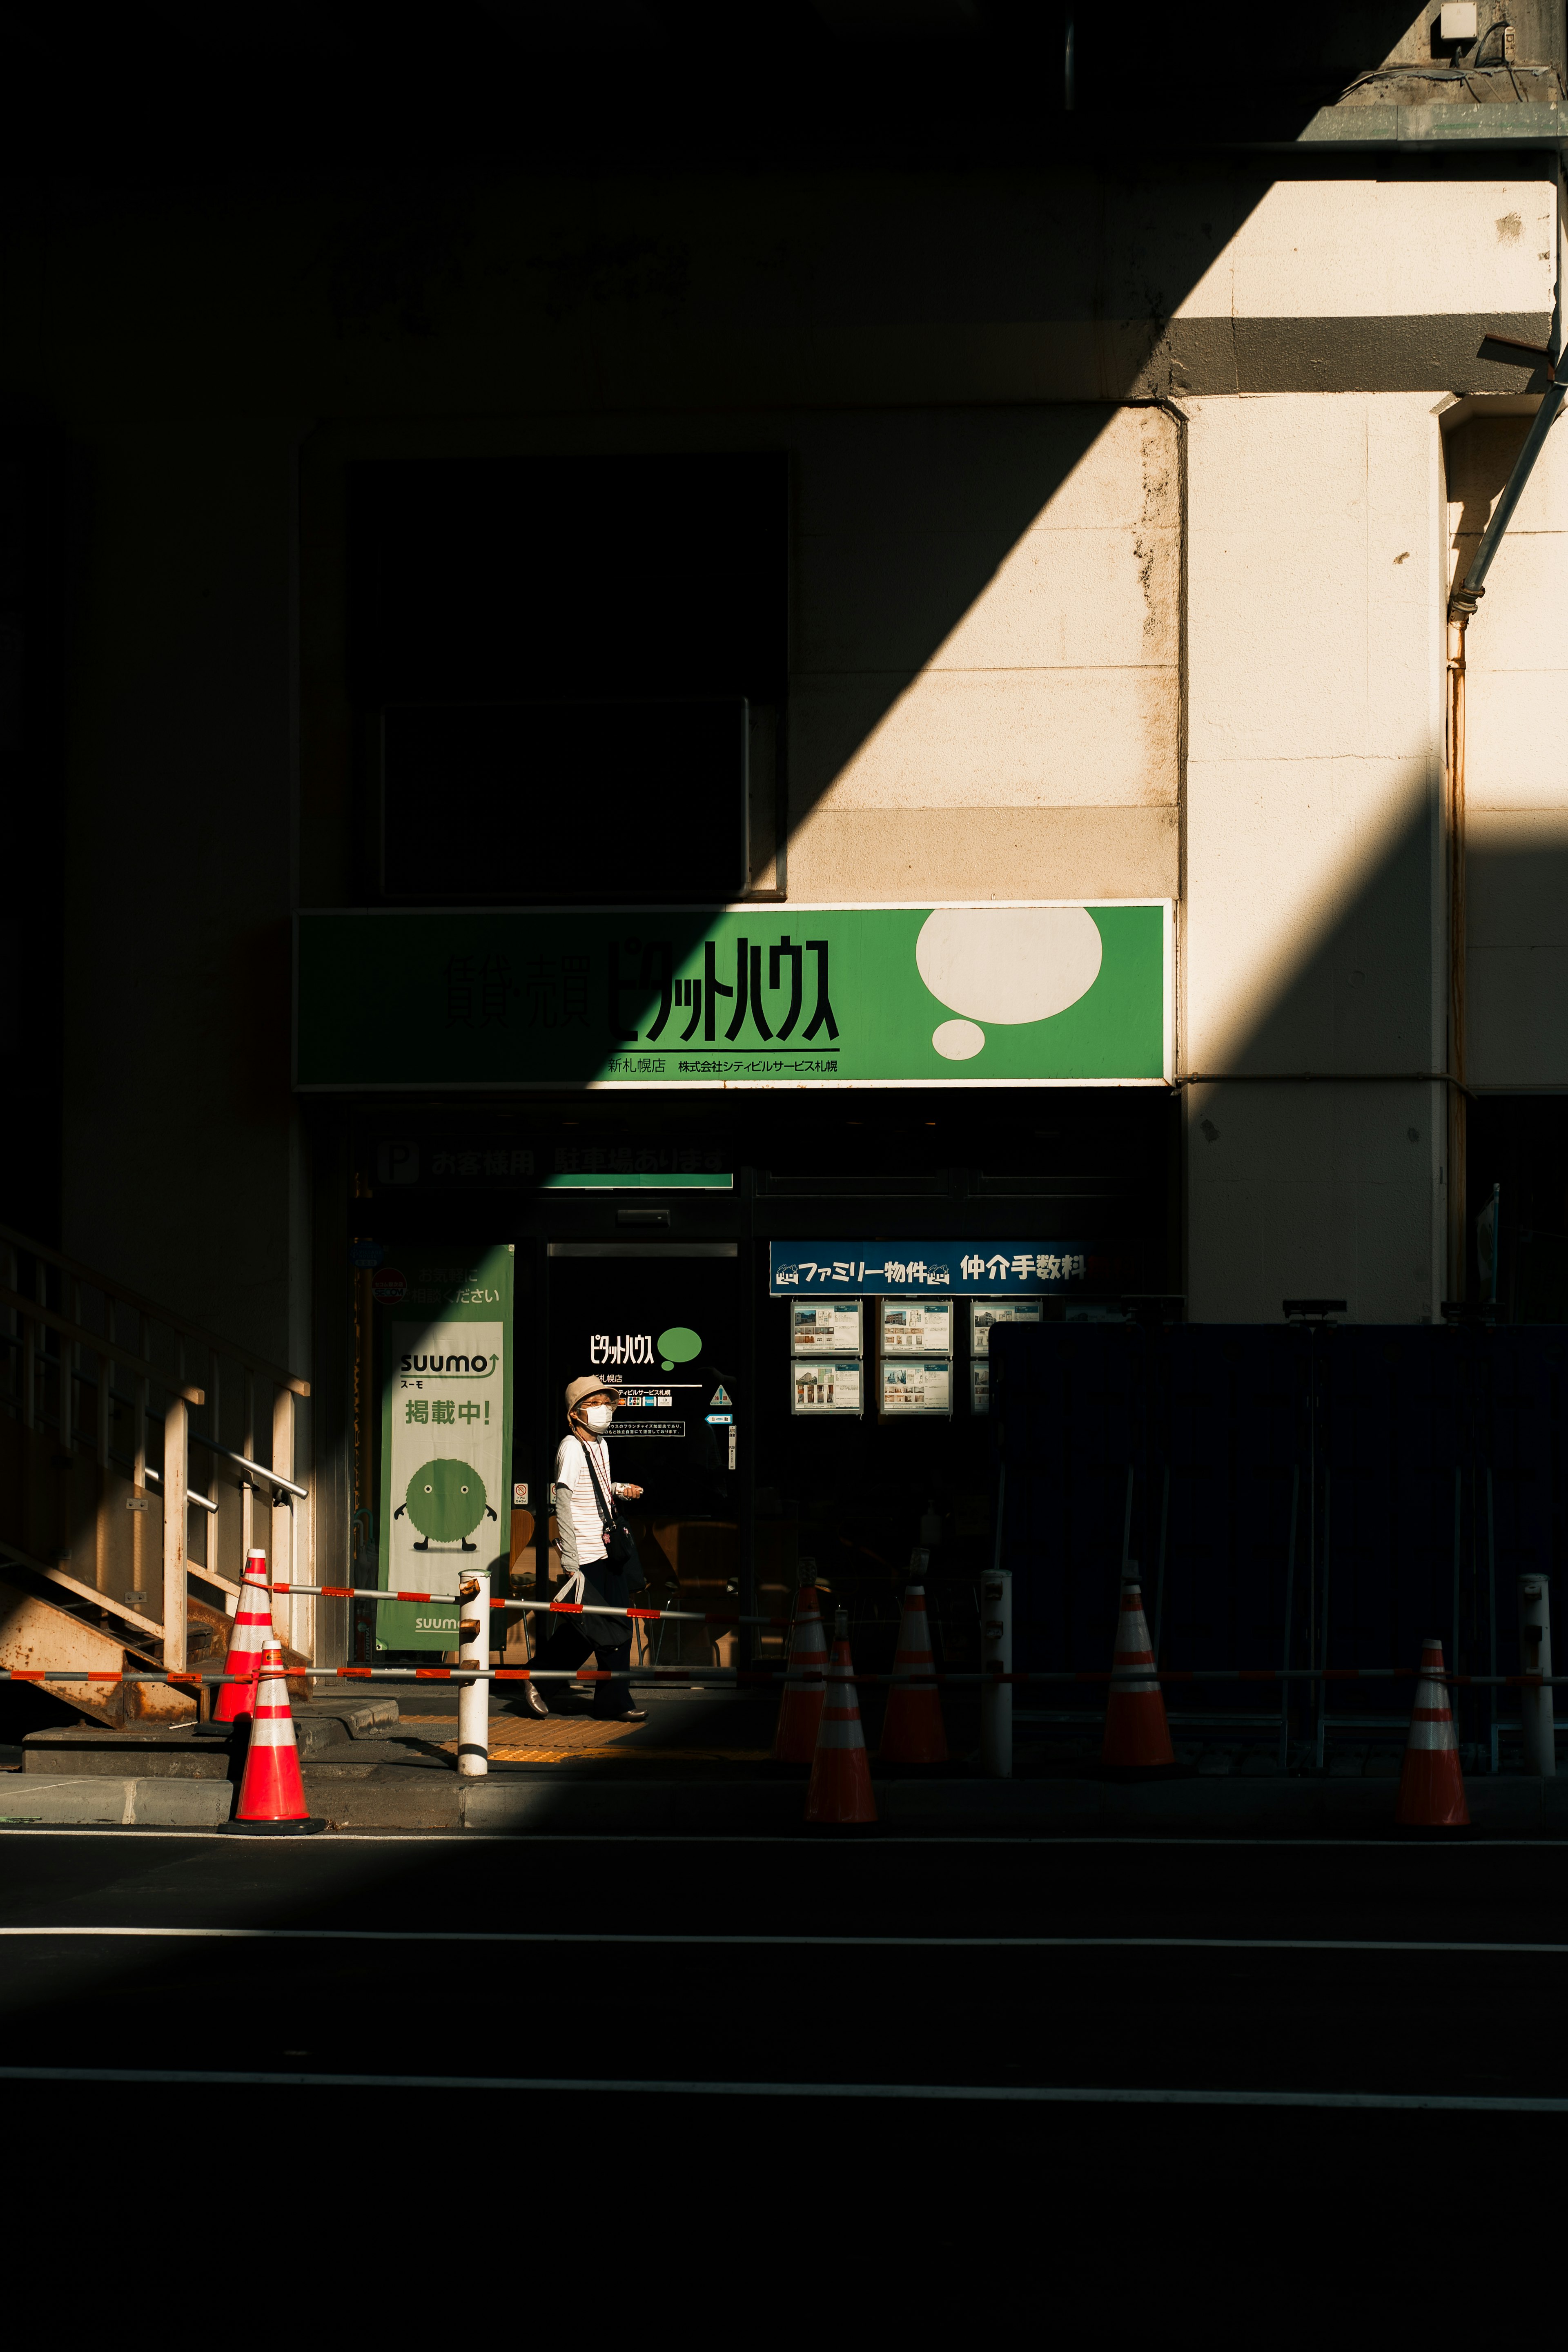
(678, 1345)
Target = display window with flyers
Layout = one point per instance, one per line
(800, 1345)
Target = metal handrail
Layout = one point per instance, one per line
(194, 1502)
(177, 1324)
(256, 1469)
(96, 1344)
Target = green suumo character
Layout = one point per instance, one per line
(445, 1500)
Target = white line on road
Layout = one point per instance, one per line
(476, 1840)
(816, 1943)
(1037, 2094)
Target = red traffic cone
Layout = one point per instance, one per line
(251, 1632)
(271, 1793)
(1431, 1785)
(841, 1775)
(1136, 1733)
(800, 1709)
(912, 1729)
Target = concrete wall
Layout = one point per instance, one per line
(1309, 925)
(1517, 758)
(1026, 745)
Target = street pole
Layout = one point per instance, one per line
(996, 1657)
(1536, 1658)
(474, 1698)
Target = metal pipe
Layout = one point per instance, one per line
(1454, 815)
(1465, 598)
(996, 1664)
(243, 1462)
(1535, 1656)
(194, 1501)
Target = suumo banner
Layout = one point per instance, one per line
(998, 995)
(447, 1434)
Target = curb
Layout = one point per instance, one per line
(98, 1798)
(439, 1800)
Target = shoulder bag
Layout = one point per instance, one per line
(619, 1543)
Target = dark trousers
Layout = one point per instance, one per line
(566, 1647)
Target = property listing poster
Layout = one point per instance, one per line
(826, 1388)
(825, 1327)
(915, 1386)
(985, 1314)
(923, 1327)
(447, 1435)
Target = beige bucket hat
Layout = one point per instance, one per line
(591, 1384)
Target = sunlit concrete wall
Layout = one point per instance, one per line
(1030, 748)
(1517, 756)
(1310, 923)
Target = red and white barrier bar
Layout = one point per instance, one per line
(729, 1676)
(550, 1608)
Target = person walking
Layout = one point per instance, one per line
(585, 1498)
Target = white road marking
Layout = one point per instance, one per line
(1025, 2095)
(578, 1937)
(477, 1838)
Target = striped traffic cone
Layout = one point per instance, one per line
(271, 1793)
(1431, 1785)
(251, 1632)
(800, 1709)
(1137, 1737)
(912, 1729)
(841, 1775)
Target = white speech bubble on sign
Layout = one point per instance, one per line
(1005, 965)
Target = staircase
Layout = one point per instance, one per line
(132, 1485)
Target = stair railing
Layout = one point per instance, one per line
(107, 1425)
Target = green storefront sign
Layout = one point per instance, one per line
(763, 995)
(446, 1436)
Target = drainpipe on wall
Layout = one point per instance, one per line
(1463, 601)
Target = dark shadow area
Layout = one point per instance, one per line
(34, 529)
(1310, 1499)
(564, 652)
(675, 80)
(1519, 1143)
(1066, 2249)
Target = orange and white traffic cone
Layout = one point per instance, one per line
(841, 1775)
(271, 1793)
(1431, 1785)
(251, 1632)
(912, 1729)
(800, 1709)
(1137, 1736)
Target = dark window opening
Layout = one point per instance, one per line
(562, 671)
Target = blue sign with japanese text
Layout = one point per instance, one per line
(972, 1269)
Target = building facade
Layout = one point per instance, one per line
(469, 616)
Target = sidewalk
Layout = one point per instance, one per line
(701, 1764)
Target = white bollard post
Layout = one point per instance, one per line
(474, 1698)
(1536, 1658)
(997, 1651)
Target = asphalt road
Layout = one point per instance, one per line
(988, 2043)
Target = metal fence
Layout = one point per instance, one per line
(1301, 1496)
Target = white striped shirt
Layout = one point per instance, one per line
(580, 1522)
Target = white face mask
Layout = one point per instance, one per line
(599, 1416)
